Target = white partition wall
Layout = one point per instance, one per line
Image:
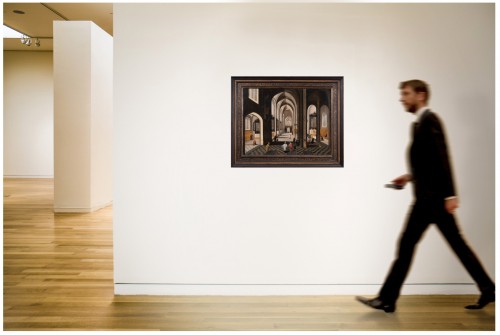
(83, 105)
(185, 222)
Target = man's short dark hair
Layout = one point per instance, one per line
(418, 86)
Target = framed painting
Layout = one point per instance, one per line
(287, 122)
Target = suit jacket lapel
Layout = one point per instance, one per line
(424, 115)
(416, 125)
(414, 130)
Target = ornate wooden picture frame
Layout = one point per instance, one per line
(287, 122)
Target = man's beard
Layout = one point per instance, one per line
(412, 109)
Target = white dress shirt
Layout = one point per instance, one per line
(418, 114)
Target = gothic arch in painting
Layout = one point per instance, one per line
(254, 128)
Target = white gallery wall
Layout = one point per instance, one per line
(185, 222)
(83, 116)
(28, 117)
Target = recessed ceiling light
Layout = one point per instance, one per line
(17, 11)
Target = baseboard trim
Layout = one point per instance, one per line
(81, 210)
(256, 290)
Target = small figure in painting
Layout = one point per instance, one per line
(285, 147)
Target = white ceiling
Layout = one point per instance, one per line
(38, 18)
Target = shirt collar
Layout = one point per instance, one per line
(418, 114)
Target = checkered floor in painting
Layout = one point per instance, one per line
(277, 150)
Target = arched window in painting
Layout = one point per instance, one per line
(248, 125)
(256, 126)
(325, 121)
(253, 94)
(313, 121)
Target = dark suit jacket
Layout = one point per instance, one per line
(429, 160)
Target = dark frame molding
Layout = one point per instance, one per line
(331, 90)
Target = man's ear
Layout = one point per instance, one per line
(422, 96)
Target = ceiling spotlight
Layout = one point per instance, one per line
(27, 40)
(24, 39)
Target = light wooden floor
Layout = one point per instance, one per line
(58, 274)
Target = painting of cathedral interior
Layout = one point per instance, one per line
(287, 121)
(276, 123)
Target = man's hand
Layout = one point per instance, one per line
(451, 205)
(402, 180)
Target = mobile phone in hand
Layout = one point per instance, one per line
(394, 186)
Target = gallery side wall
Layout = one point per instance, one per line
(185, 222)
(28, 117)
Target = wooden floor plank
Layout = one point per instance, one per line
(58, 275)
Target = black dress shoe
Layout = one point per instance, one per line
(377, 303)
(484, 300)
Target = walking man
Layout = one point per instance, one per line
(435, 202)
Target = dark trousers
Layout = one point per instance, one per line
(421, 216)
